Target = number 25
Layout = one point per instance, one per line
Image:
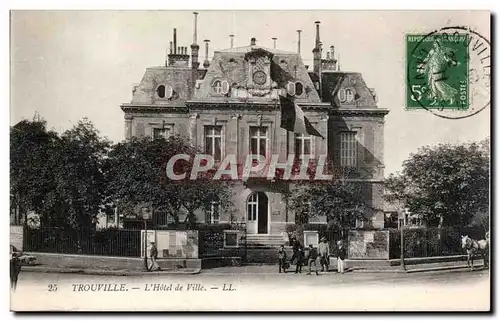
(52, 287)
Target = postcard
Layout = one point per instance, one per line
(250, 160)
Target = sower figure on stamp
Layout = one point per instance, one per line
(324, 253)
(341, 256)
(153, 254)
(283, 264)
(312, 258)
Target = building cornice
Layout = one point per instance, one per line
(248, 105)
(150, 108)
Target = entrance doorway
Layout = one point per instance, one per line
(257, 213)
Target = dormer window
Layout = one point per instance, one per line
(164, 91)
(291, 88)
(299, 88)
(220, 87)
(346, 95)
(160, 91)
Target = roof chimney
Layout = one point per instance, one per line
(195, 32)
(171, 48)
(195, 49)
(298, 45)
(317, 34)
(232, 39)
(252, 42)
(317, 52)
(175, 41)
(274, 40)
(206, 63)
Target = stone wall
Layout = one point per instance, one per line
(16, 236)
(365, 244)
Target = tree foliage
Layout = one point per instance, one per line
(136, 174)
(33, 151)
(58, 177)
(446, 184)
(341, 201)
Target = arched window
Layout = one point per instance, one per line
(220, 87)
(168, 91)
(299, 88)
(161, 91)
(349, 95)
(291, 88)
(346, 95)
(217, 86)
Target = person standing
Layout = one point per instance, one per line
(299, 256)
(295, 248)
(15, 269)
(153, 254)
(282, 259)
(312, 258)
(341, 256)
(324, 253)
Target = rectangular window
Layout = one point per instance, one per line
(348, 149)
(303, 145)
(258, 141)
(161, 133)
(212, 213)
(213, 141)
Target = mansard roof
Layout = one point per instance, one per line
(232, 65)
(335, 83)
(177, 78)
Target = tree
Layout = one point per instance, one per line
(341, 201)
(446, 184)
(80, 178)
(33, 151)
(136, 171)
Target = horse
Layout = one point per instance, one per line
(474, 247)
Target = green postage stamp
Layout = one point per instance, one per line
(437, 71)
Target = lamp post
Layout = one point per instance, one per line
(145, 217)
(402, 245)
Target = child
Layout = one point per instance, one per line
(311, 259)
(341, 256)
(282, 259)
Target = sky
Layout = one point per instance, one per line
(66, 65)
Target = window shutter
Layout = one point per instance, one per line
(291, 88)
(168, 91)
(225, 87)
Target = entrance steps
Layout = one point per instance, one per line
(265, 240)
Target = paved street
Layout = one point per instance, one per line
(214, 291)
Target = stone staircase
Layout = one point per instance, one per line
(266, 241)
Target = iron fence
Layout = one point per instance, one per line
(431, 242)
(109, 242)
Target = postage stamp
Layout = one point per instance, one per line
(437, 71)
(448, 70)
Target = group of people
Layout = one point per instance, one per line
(311, 256)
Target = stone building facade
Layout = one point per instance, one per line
(231, 106)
